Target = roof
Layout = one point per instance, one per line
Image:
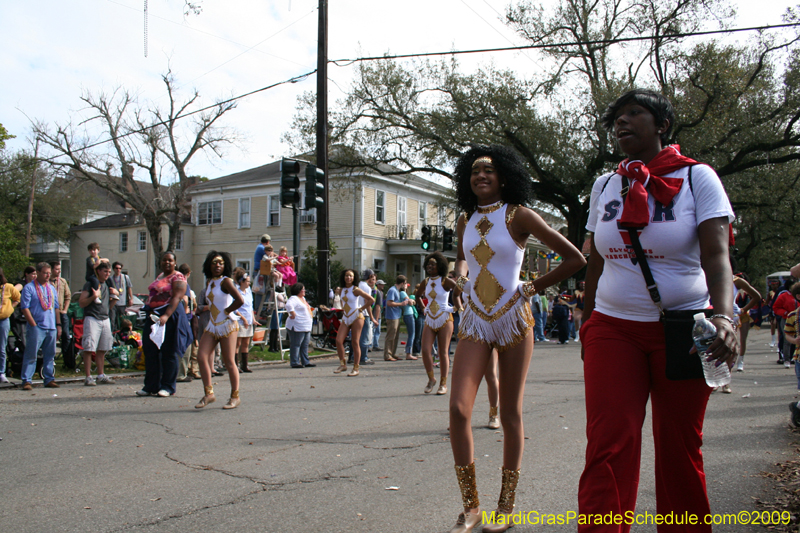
(123, 220)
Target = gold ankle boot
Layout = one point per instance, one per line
(353, 372)
(442, 386)
(469, 496)
(342, 368)
(505, 503)
(207, 399)
(494, 422)
(234, 402)
(431, 383)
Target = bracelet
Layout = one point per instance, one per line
(528, 289)
(724, 317)
(461, 281)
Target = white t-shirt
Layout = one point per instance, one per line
(302, 320)
(670, 243)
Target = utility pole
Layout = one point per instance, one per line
(30, 201)
(323, 232)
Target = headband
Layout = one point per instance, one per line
(483, 159)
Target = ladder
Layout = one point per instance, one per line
(269, 307)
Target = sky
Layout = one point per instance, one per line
(53, 51)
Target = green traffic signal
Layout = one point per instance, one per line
(290, 182)
(315, 188)
(426, 237)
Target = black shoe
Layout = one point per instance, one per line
(368, 362)
(187, 379)
(311, 365)
(215, 373)
(780, 361)
(297, 366)
(795, 414)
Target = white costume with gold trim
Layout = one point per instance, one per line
(351, 304)
(220, 325)
(438, 312)
(495, 313)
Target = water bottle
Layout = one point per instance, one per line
(703, 334)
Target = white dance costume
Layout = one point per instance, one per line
(438, 312)
(351, 304)
(495, 313)
(220, 325)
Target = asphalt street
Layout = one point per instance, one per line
(312, 451)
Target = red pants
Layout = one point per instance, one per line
(624, 364)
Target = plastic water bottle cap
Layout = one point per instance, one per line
(699, 316)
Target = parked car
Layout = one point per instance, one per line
(134, 311)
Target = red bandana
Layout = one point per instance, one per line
(635, 213)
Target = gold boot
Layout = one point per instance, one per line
(469, 496)
(342, 367)
(431, 383)
(505, 503)
(353, 372)
(442, 386)
(207, 399)
(234, 402)
(494, 422)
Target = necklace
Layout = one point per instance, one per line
(491, 208)
(46, 300)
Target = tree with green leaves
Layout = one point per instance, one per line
(4, 136)
(308, 273)
(116, 137)
(737, 105)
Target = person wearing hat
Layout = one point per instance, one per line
(377, 312)
(258, 282)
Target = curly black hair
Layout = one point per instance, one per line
(226, 271)
(514, 176)
(356, 278)
(441, 262)
(658, 104)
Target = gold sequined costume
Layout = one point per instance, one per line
(495, 313)
(220, 325)
(438, 312)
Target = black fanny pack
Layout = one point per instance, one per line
(677, 324)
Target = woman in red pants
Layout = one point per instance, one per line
(681, 213)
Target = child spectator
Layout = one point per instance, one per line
(285, 266)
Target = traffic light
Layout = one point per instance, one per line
(447, 239)
(290, 182)
(426, 237)
(315, 190)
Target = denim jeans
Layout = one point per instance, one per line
(366, 339)
(36, 338)
(538, 328)
(409, 321)
(5, 325)
(298, 347)
(376, 335)
(419, 323)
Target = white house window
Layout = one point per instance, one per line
(179, 241)
(401, 211)
(141, 241)
(245, 264)
(274, 213)
(244, 212)
(123, 241)
(423, 214)
(209, 213)
(379, 265)
(380, 207)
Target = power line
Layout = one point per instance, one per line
(295, 79)
(346, 62)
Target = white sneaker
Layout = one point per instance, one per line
(89, 382)
(163, 393)
(142, 393)
(3, 378)
(772, 344)
(786, 364)
(102, 378)
(740, 365)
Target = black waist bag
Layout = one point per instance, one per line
(678, 336)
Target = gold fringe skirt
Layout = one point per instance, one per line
(223, 329)
(437, 323)
(503, 330)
